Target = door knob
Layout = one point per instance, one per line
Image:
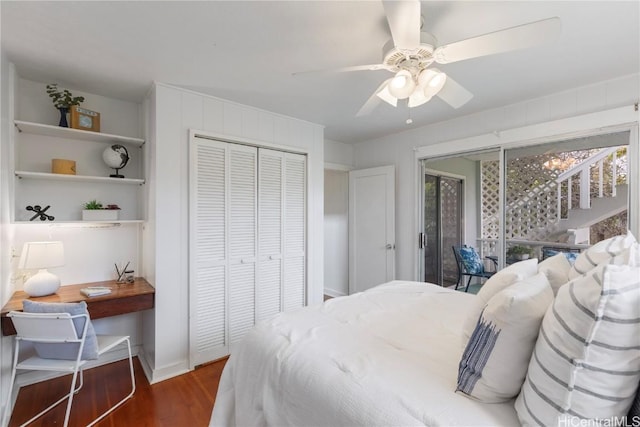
(390, 246)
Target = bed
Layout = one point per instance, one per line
(387, 356)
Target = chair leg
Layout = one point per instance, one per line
(468, 283)
(57, 402)
(7, 406)
(133, 389)
(458, 282)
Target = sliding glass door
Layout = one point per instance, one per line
(565, 196)
(443, 224)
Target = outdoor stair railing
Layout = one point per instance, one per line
(583, 169)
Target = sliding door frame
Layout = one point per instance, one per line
(618, 119)
(421, 224)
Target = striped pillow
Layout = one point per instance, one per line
(494, 363)
(599, 253)
(586, 362)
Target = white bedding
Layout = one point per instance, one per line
(385, 357)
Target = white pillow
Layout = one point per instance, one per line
(556, 268)
(494, 363)
(586, 362)
(599, 253)
(499, 281)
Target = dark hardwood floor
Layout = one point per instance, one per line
(186, 400)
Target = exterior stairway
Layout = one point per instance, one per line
(601, 208)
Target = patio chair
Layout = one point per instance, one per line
(57, 336)
(469, 264)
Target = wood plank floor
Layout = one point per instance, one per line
(186, 400)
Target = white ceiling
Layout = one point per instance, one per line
(246, 52)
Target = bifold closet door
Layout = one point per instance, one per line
(247, 241)
(281, 232)
(270, 232)
(295, 202)
(223, 227)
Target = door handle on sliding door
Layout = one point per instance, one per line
(389, 246)
(422, 240)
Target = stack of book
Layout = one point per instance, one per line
(94, 291)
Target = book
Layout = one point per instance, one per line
(94, 291)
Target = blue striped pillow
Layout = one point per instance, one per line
(586, 362)
(494, 362)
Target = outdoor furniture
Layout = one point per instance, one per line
(570, 253)
(469, 264)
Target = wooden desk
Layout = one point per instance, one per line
(124, 298)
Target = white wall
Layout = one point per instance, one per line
(338, 159)
(399, 148)
(174, 112)
(5, 227)
(336, 232)
(338, 153)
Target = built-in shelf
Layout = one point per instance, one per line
(77, 178)
(81, 222)
(69, 133)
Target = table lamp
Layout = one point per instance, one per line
(41, 255)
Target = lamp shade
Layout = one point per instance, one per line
(41, 255)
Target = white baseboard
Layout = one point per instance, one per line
(333, 293)
(160, 374)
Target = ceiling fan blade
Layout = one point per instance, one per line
(520, 37)
(372, 67)
(404, 22)
(373, 101)
(454, 94)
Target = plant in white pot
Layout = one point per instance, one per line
(94, 211)
(520, 252)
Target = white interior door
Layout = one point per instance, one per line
(371, 227)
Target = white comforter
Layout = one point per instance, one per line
(385, 357)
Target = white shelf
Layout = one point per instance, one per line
(69, 133)
(79, 221)
(77, 178)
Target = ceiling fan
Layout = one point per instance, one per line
(410, 54)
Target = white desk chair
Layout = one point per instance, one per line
(59, 328)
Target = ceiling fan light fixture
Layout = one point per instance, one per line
(402, 85)
(435, 83)
(386, 95)
(417, 98)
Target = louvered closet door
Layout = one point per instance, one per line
(270, 233)
(208, 241)
(294, 231)
(242, 226)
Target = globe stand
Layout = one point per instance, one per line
(116, 175)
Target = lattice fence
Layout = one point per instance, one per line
(531, 197)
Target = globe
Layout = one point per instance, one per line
(116, 157)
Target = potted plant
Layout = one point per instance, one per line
(94, 211)
(63, 100)
(520, 252)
